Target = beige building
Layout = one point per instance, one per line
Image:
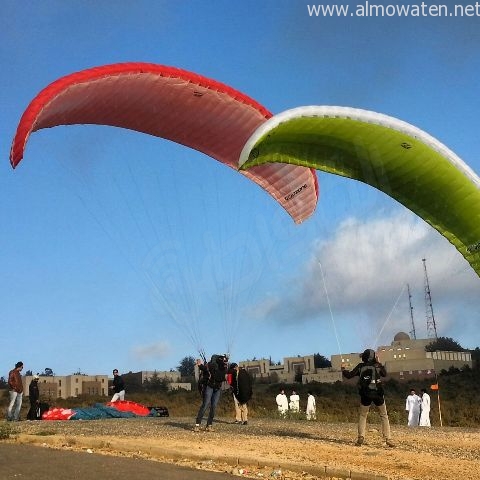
(323, 375)
(171, 377)
(54, 386)
(406, 358)
(291, 370)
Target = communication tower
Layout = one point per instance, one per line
(431, 327)
(413, 335)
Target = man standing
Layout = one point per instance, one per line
(311, 411)
(282, 403)
(412, 406)
(118, 387)
(425, 415)
(370, 388)
(34, 397)
(213, 374)
(242, 392)
(294, 402)
(15, 386)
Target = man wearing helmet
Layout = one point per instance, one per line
(370, 388)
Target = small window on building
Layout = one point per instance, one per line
(404, 356)
(59, 394)
(394, 355)
(59, 383)
(76, 380)
(401, 374)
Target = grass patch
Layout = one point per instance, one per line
(45, 433)
(7, 431)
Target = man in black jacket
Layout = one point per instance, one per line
(118, 387)
(241, 385)
(370, 371)
(212, 376)
(34, 397)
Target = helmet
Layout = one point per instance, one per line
(368, 355)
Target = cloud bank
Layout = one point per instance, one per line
(361, 273)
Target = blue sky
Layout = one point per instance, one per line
(127, 251)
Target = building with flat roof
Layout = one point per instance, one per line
(293, 369)
(406, 358)
(51, 387)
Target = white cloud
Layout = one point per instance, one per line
(362, 272)
(153, 351)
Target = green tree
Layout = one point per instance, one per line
(155, 383)
(319, 361)
(445, 344)
(187, 367)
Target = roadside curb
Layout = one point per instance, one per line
(115, 447)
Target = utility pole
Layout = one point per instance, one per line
(431, 327)
(413, 335)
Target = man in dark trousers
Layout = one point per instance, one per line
(241, 385)
(212, 376)
(34, 397)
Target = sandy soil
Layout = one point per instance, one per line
(272, 448)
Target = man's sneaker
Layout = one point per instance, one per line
(245, 423)
(196, 428)
(237, 422)
(390, 443)
(360, 441)
(209, 428)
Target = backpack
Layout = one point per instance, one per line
(217, 370)
(369, 380)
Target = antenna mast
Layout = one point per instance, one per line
(431, 327)
(412, 332)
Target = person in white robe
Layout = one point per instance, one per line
(282, 403)
(294, 404)
(425, 414)
(311, 411)
(412, 406)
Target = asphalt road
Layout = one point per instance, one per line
(40, 463)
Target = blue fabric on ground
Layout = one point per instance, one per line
(99, 411)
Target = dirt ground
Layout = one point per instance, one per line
(282, 449)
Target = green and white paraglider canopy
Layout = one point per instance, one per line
(391, 155)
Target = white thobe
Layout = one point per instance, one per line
(425, 415)
(282, 403)
(311, 408)
(294, 403)
(412, 406)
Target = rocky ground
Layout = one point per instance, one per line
(271, 448)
